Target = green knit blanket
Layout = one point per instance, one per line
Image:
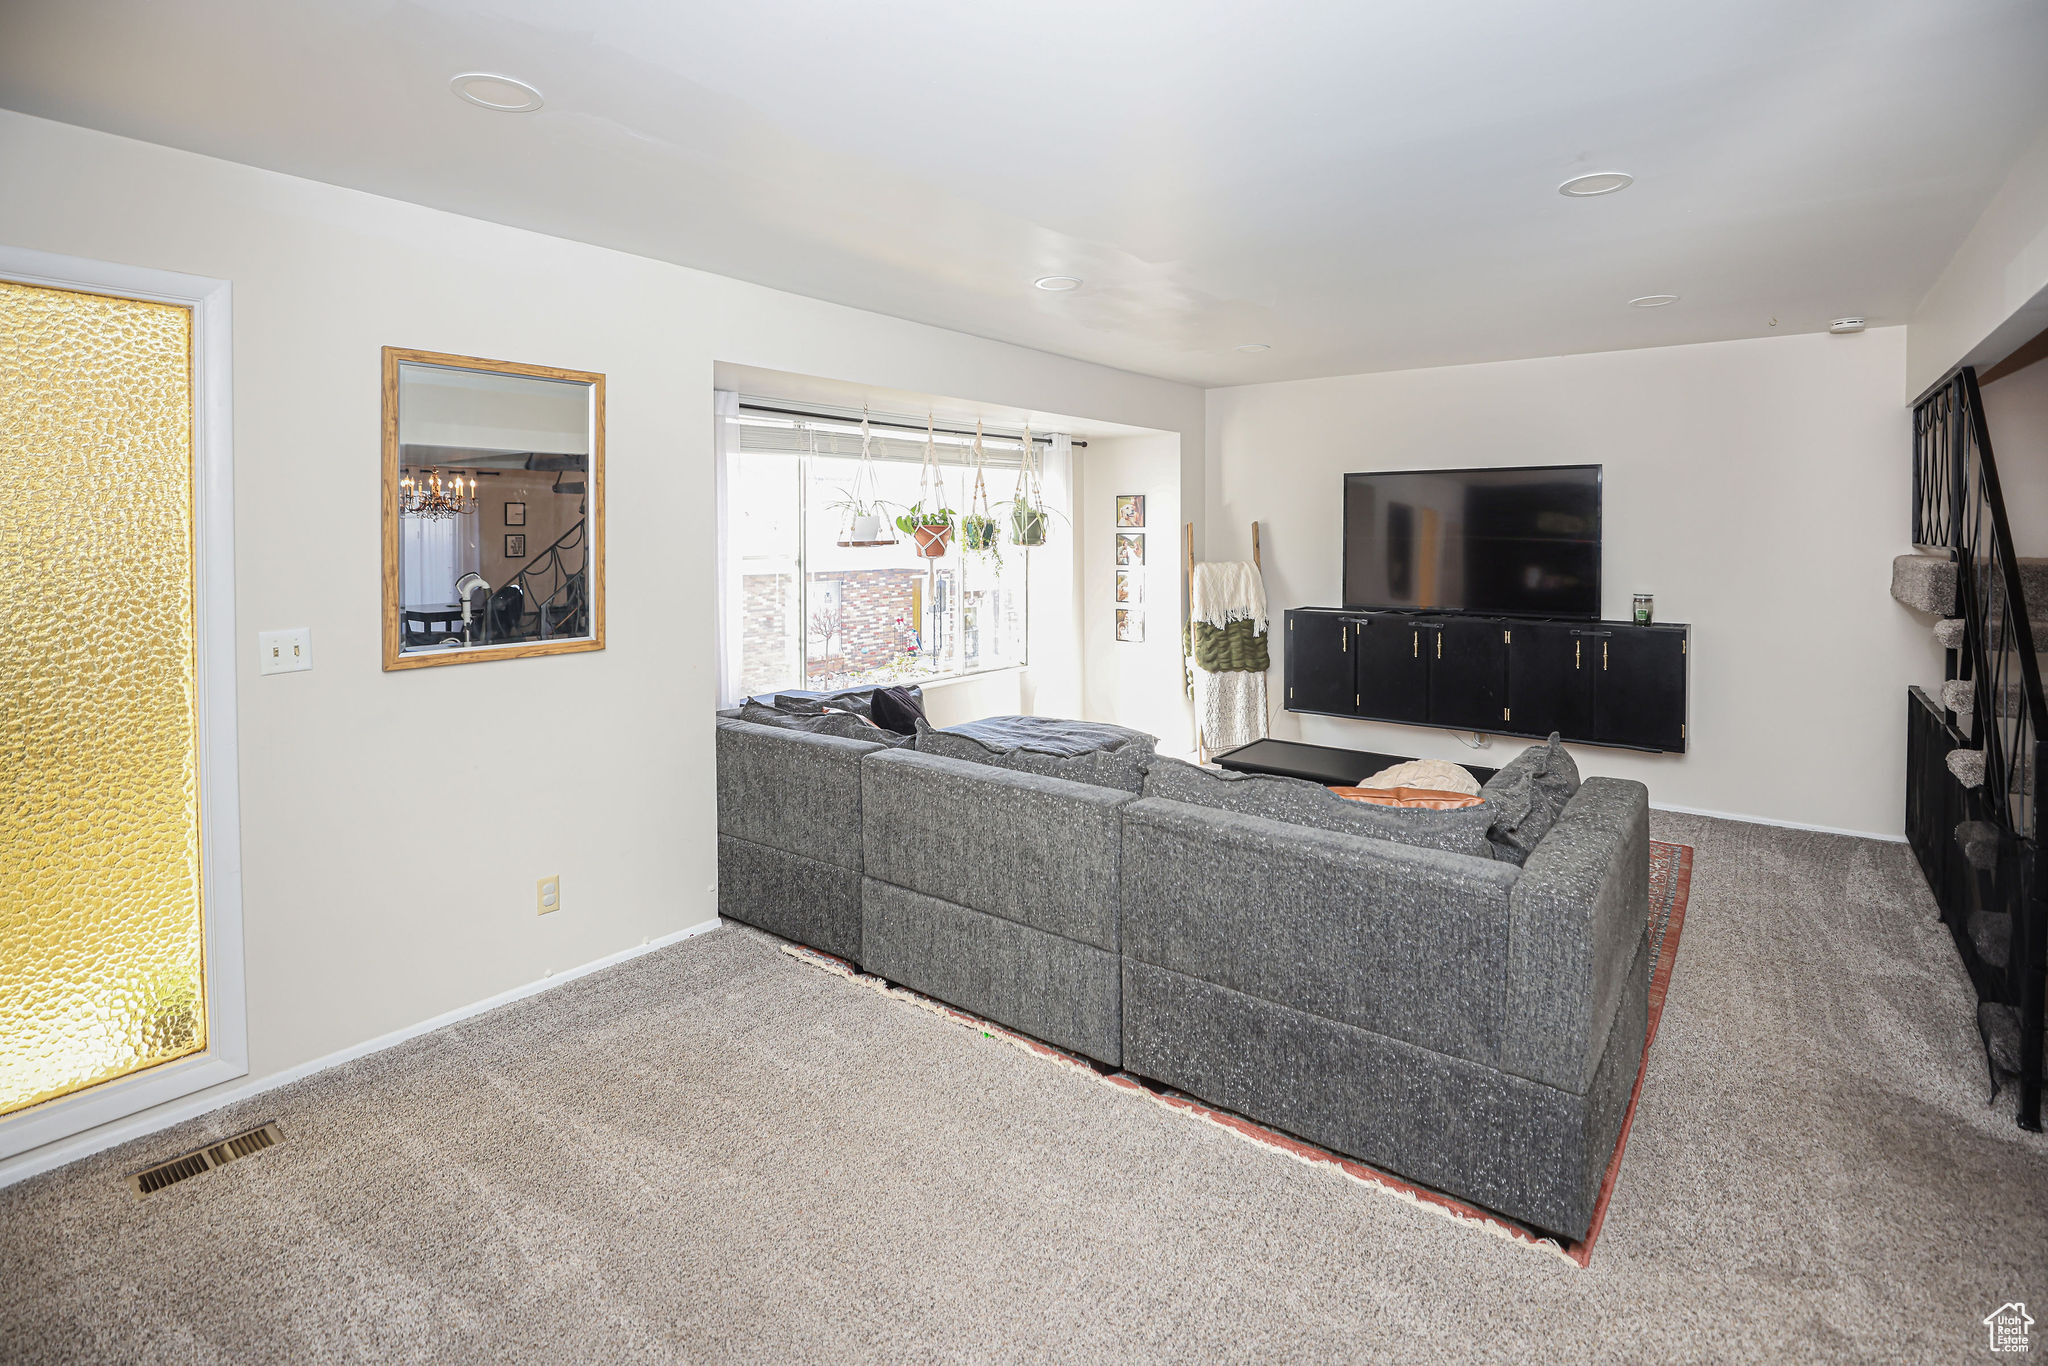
(1231, 649)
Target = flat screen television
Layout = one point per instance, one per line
(1520, 541)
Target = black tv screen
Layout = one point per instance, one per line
(1522, 542)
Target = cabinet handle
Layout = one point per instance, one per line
(1603, 655)
(1439, 644)
(1344, 634)
(1575, 653)
(1418, 644)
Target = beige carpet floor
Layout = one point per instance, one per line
(717, 1153)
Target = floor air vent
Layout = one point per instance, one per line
(230, 1149)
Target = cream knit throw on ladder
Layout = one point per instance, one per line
(1230, 706)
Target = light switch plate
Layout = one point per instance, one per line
(549, 893)
(285, 652)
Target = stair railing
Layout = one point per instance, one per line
(564, 597)
(1959, 507)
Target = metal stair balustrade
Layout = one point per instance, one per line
(564, 609)
(1980, 846)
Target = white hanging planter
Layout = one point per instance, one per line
(864, 524)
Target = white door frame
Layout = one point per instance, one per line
(25, 1136)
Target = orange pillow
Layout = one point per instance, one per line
(1424, 798)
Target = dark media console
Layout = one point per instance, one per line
(1596, 682)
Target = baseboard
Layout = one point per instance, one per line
(1783, 825)
(57, 1154)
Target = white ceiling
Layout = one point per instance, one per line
(1364, 186)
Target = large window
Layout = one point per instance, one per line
(807, 607)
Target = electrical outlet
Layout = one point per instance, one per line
(549, 892)
(284, 652)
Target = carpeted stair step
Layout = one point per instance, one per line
(1948, 633)
(1959, 696)
(1968, 767)
(2001, 1026)
(1927, 583)
(1991, 932)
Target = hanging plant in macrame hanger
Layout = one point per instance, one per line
(860, 503)
(928, 521)
(1027, 504)
(979, 531)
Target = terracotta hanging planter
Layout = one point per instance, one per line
(932, 540)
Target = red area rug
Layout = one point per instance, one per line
(1670, 885)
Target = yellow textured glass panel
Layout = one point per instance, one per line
(101, 943)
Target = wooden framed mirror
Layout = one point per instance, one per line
(493, 510)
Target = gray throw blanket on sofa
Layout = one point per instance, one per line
(1047, 734)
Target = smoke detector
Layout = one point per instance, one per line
(1842, 327)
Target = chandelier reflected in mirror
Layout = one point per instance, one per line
(434, 499)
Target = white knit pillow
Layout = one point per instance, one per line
(1439, 775)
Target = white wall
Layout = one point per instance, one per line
(1131, 683)
(347, 937)
(2016, 415)
(1993, 294)
(1758, 488)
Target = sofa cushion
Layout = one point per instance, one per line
(1300, 802)
(1077, 751)
(792, 791)
(806, 702)
(897, 709)
(1527, 795)
(1035, 850)
(844, 724)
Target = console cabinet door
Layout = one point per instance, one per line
(1639, 695)
(1319, 663)
(1394, 654)
(1550, 679)
(1468, 675)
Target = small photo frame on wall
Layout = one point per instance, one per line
(515, 545)
(1130, 548)
(1130, 625)
(515, 514)
(1130, 586)
(1130, 509)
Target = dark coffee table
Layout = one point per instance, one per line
(1318, 763)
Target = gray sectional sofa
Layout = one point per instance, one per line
(1464, 1020)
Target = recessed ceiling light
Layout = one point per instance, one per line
(502, 93)
(1058, 284)
(1653, 301)
(1249, 347)
(1599, 182)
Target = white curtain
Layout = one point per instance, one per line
(725, 445)
(433, 554)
